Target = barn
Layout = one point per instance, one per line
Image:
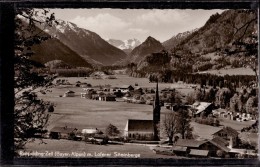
(69, 93)
(62, 132)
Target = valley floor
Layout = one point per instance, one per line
(82, 113)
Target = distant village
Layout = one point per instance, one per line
(225, 143)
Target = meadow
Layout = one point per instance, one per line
(80, 113)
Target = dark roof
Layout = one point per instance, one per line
(127, 86)
(63, 129)
(220, 143)
(140, 125)
(189, 143)
(179, 148)
(69, 91)
(199, 152)
(228, 130)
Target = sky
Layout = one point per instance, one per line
(125, 24)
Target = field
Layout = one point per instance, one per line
(231, 71)
(97, 151)
(82, 113)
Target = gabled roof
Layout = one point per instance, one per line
(199, 152)
(179, 148)
(201, 106)
(220, 143)
(140, 125)
(229, 131)
(189, 143)
(63, 129)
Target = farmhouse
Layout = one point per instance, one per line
(222, 113)
(228, 134)
(220, 143)
(139, 129)
(89, 132)
(203, 148)
(107, 97)
(69, 93)
(126, 88)
(62, 132)
(202, 108)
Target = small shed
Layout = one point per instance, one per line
(69, 93)
(62, 132)
(179, 150)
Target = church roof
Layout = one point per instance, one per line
(140, 125)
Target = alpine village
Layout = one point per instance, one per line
(192, 96)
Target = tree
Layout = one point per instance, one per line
(245, 42)
(184, 127)
(30, 113)
(112, 130)
(177, 123)
(170, 125)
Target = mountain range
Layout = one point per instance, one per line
(80, 47)
(175, 40)
(85, 43)
(126, 45)
(54, 49)
(150, 45)
(196, 50)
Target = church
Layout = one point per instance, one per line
(138, 129)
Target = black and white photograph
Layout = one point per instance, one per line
(136, 83)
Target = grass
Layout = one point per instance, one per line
(82, 113)
(69, 146)
(231, 71)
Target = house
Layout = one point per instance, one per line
(69, 93)
(126, 88)
(228, 134)
(89, 132)
(139, 129)
(62, 132)
(190, 143)
(222, 113)
(198, 153)
(220, 143)
(202, 109)
(138, 91)
(201, 148)
(107, 97)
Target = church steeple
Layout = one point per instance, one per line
(156, 113)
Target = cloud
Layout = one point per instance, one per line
(137, 30)
(101, 23)
(157, 17)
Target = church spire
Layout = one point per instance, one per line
(156, 113)
(156, 100)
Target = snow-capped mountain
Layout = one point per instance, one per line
(125, 44)
(85, 43)
(150, 45)
(175, 40)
